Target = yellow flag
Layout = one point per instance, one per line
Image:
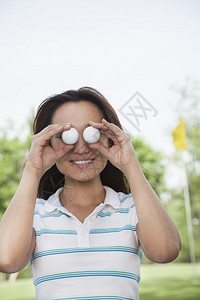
(179, 136)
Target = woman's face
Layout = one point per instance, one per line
(79, 114)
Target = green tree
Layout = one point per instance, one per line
(12, 158)
(152, 165)
(13, 153)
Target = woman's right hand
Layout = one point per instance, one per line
(42, 156)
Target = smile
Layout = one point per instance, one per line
(82, 162)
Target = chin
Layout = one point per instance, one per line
(82, 175)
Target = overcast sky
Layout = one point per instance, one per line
(118, 47)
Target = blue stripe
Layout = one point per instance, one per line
(58, 214)
(110, 230)
(96, 298)
(126, 197)
(38, 201)
(48, 231)
(92, 231)
(86, 274)
(108, 213)
(84, 250)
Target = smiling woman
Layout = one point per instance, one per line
(74, 164)
(92, 97)
(84, 210)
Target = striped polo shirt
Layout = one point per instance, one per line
(97, 259)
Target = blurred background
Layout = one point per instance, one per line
(143, 56)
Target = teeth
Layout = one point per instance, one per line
(81, 162)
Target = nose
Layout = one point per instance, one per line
(81, 146)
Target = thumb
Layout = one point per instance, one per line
(102, 149)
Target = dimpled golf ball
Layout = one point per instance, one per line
(70, 136)
(91, 134)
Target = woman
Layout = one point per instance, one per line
(74, 215)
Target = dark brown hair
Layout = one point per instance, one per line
(53, 179)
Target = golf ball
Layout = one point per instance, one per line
(91, 134)
(70, 136)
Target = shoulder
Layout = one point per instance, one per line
(118, 199)
(40, 201)
(50, 204)
(126, 199)
(39, 206)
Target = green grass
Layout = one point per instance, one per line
(23, 289)
(168, 281)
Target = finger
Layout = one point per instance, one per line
(106, 126)
(101, 148)
(121, 136)
(47, 133)
(53, 128)
(92, 123)
(112, 127)
(105, 130)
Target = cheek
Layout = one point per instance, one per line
(60, 167)
(101, 162)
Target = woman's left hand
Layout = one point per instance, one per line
(122, 153)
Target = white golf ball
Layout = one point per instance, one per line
(70, 136)
(91, 134)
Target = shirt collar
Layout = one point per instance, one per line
(53, 202)
(111, 197)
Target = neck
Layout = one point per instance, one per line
(82, 193)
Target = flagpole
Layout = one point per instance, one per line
(189, 219)
(179, 139)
